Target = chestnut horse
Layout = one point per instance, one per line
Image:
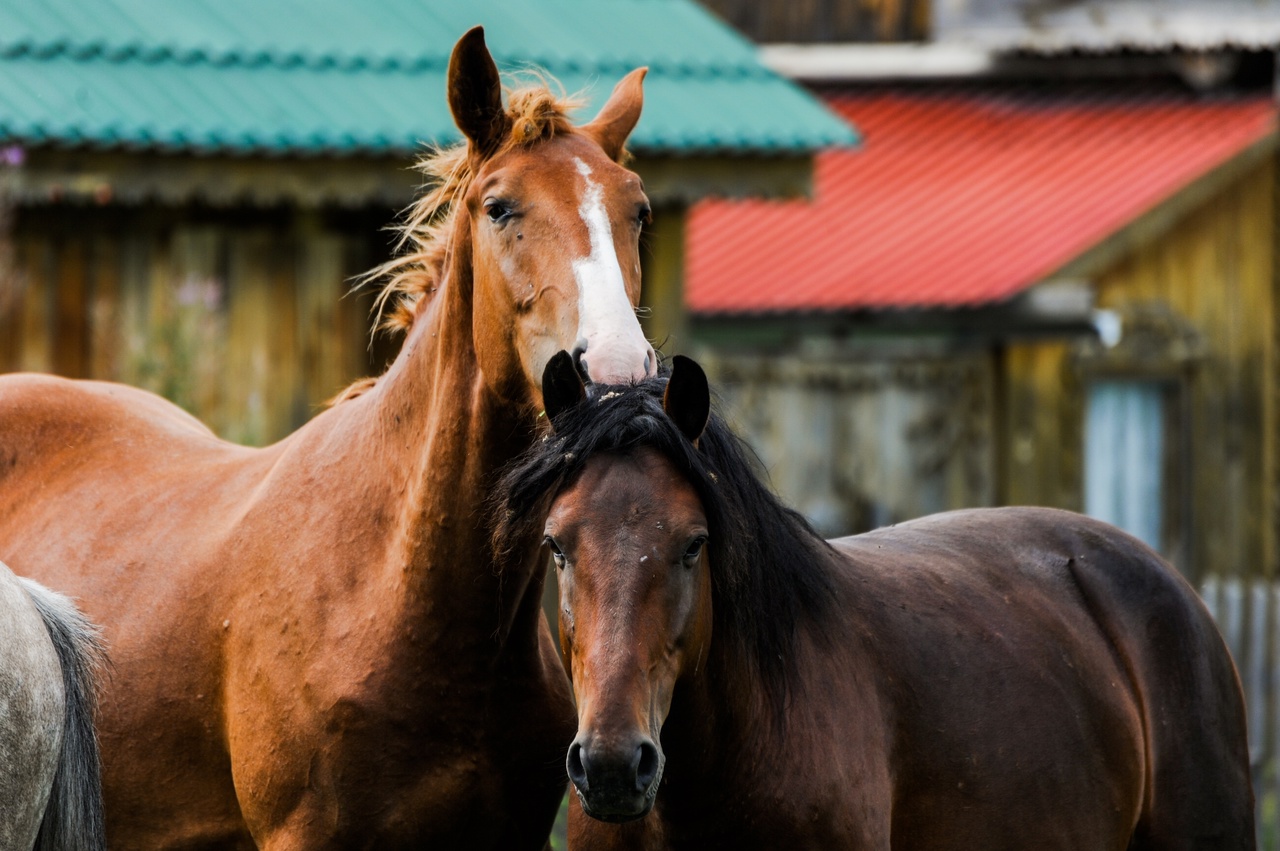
(987, 679)
(313, 647)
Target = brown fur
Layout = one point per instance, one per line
(999, 679)
(989, 679)
(312, 646)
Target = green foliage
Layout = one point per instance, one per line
(1268, 818)
(559, 833)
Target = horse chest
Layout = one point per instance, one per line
(389, 761)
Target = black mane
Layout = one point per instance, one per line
(768, 565)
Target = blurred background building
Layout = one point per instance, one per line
(188, 189)
(1049, 276)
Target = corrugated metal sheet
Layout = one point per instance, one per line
(959, 198)
(1106, 25)
(337, 77)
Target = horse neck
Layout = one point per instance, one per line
(436, 434)
(720, 727)
(727, 750)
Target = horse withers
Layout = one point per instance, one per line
(985, 679)
(50, 790)
(312, 646)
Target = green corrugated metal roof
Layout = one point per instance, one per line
(327, 76)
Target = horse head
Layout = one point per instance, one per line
(554, 224)
(628, 536)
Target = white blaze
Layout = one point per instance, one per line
(616, 348)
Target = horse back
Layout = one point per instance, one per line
(32, 404)
(1041, 629)
(86, 466)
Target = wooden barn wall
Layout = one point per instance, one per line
(859, 443)
(240, 316)
(1214, 273)
(802, 21)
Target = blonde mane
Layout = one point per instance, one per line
(536, 113)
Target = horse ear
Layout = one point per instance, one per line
(688, 398)
(620, 114)
(475, 92)
(562, 386)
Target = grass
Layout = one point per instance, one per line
(559, 840)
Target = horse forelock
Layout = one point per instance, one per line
(763, 583)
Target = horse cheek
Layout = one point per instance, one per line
(493, 326)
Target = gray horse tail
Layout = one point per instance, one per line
(73, 819)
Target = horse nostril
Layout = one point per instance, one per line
(646, 765)
(577, 771)
(579, 349)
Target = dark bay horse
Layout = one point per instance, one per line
(1017, 678)
(313, 647)
(50, 789)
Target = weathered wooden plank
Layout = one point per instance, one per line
(13, 286)
(324, 337)
(134, 297)
(826, 20)
(287, 404)
(1042, 462)
(37, 262)
(105, 320)
(859, 443)
(245, 418)
(662, 299)
(197, 320)
(71, 308)
(10, 282)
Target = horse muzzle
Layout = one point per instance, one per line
(615, 783)
(615, 359)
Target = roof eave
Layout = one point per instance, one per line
(88, 175)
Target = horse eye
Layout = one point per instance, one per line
(497, 211)
(556, 553)
(694, 550)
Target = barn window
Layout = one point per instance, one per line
(1125, 454)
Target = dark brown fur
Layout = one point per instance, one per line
(988, 679)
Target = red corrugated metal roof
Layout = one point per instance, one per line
(959, 198)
